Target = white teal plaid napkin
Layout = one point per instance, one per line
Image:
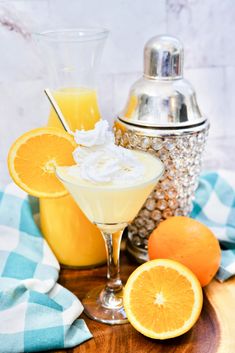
(36, 313)
(214, 205)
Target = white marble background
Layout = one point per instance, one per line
(207, 29)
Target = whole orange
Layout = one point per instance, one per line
(188, 241)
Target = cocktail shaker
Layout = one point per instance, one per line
(162, 117)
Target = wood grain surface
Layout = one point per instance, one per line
(213, 333)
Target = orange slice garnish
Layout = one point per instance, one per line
(33, 158)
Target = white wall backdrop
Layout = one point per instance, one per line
(207, 29)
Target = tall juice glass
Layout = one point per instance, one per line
(72, 57)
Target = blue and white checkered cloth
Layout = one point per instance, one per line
(36, 313)
(214, 205)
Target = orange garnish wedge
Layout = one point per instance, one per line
(33, 158)
(162, 299)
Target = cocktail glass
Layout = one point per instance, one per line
(111, 208)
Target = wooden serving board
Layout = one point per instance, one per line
(213, 333)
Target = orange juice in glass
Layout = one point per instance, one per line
(79, 106)
(73, 55)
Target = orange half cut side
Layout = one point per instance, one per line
(162, 299)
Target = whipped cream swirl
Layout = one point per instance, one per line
(100, 160)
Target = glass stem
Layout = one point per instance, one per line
(112, 244)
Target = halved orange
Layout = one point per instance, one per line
(33, 158)
(162, 299)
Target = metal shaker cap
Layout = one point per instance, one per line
(162, 97)
(163, 58)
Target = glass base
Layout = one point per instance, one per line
(105, 306)
(80, 267)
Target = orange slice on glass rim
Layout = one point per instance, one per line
(33, 158)
(162, 299)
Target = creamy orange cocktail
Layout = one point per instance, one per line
(110, 184)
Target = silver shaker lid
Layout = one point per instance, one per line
(162, 97)
(163, 58)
